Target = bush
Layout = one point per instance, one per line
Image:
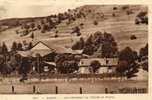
(113, 14)
(128, 12)
(133, 37)
(95, 65)
(81, 24)
(32, 25)
(45, 28)
(39, 27)
(115, 8)
(95, 23)
(76, 30)
(56, 35)
(125, 7)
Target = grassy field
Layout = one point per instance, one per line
(121, 27)
(89, 86)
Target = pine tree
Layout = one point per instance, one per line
(30, 45)
(32, 25)
(79, 45)
(19, 47)
(4, 48)
(95, 22)
(14, 46)
(89, 41)
(38, 27)
(32, 35)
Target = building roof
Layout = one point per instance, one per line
(46, 47)
(41, 48)
(102, 61)
(24, 53)
(51, 63)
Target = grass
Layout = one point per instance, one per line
(121, 27)
(72, 87)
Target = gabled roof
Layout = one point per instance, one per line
(46, 47)
(39, 45)
(41, 48)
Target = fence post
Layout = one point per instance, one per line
(106, 90)
(34, 89)
(56, 89)
(80, 90)
(13, 89)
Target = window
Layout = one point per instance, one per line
(46, 68)
(109, 67)
(107, 61)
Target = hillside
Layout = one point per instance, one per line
(117, 20)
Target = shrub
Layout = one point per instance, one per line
(115, 8)
(125, 7)
(95, 22)
(133, 37)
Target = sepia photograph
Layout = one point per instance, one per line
(73, 48)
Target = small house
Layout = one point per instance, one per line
(107, 65)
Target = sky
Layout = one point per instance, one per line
(36, 8)
(33, 8)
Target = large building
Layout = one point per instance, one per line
(47, 51)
